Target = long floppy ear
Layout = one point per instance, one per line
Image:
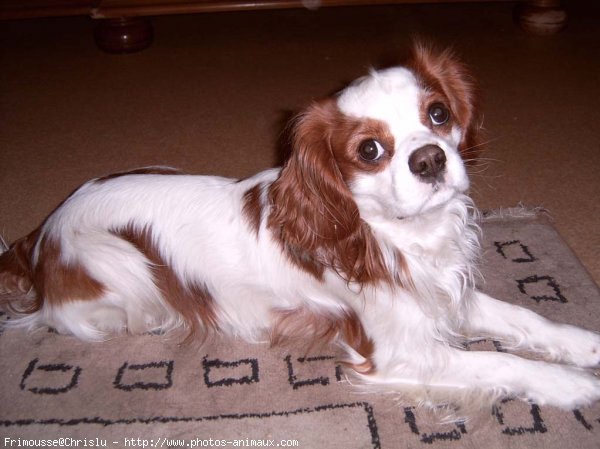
(313, 213)
(443, 71)
(312, 207)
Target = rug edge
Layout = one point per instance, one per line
(518, 212)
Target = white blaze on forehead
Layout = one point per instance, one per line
(393, 97)
(390, 95)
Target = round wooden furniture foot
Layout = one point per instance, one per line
(124, 35)
(541, 17)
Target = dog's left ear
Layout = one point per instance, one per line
(442, 70)
(312, 205)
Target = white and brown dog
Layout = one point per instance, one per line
(364, 238)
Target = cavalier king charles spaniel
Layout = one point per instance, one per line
(364, 239)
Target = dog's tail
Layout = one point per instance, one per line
(17, 293)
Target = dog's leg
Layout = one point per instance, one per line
(518, 327)
(507, 375)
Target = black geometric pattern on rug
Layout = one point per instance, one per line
(127, 370)
(517, 251)
(62, 377)
(549, 290)
(217, 372)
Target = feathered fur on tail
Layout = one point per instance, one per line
(17, 295)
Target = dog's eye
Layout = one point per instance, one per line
(370, 150)
(439, 114)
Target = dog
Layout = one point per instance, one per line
(365, 238)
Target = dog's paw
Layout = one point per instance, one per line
(565, 387)
(578, 347)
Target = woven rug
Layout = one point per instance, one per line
(149, 392)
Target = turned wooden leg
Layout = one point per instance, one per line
(541, 17)
(124, 35)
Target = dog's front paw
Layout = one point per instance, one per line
(565, 387)
(579, 347)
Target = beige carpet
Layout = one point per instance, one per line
(146, 389)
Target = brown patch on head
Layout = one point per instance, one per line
(153, 170)
(252, 207)
(444, 79)
(347, 134)
(192, 301)
(317, 330)
(313, 213)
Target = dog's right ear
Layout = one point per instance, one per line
(312, 205)
(313, 213)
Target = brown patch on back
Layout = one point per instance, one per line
(50, 280)
(252, 207)
(57, 281)
(317, 330)
(154, 170)
(192, 301)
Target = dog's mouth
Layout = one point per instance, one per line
(440, 194)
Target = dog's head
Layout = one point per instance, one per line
(390, 146)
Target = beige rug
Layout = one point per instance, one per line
(149, 392)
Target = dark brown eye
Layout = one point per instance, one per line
(370, 150)
(439, 114)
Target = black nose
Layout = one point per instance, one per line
(427, 162)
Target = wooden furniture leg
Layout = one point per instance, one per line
(541, 17)
(124, 35)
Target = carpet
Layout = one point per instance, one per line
(148, 391)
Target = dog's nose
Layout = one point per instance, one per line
(427, 162)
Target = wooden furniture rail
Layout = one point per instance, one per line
(125, 25)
